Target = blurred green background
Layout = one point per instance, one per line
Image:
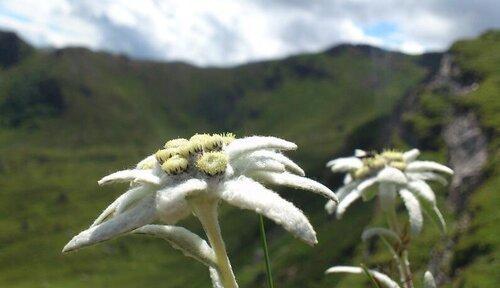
(70, 116)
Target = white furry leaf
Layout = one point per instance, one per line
(414, 211)
(248, 194)
(347, 198)
(122, 202)
(250, 144)
(143, 213)
(427, 176)
(411, 155)
(428, 166)
(184, 240)
(391, 175)
(330, 206)
(247, 165)
(267, 154)
(421, 189)
(344, 164)
(295, 181)
(133, 175)
(171, 201)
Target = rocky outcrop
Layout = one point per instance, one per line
(466, 145)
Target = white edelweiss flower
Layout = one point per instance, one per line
(192, 177)
(383, 279)
(395, 173)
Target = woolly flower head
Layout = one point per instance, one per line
(216, 167)
(395, 173)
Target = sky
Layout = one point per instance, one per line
(231, 32)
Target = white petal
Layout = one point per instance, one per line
(411, 155)
(344, 164)
(433, 212)
(346, 202)
(135, 175)
(424, 166)
(348, 195)
(347, 179)
(346, 189)
(122, 202)
(171, 201)
(330, 206)
(365, 184)
(135, 195)
(250, 144)
(429, 280)
(421, 189)
(414, 211)
(424, 191)
(247, 165)
(382, 278)
(245, 193)
(184, 240)
(391, 175)
(440, 217)
(214, 275)
(289, 164)
(142, 214)
(295, 181)
(359, 153)
(427, 176)
(381, 232)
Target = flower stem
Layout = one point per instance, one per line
(266, 253)
(401, 259)
(207, 212)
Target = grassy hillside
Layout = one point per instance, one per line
(70, 116)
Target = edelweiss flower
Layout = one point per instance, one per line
(394, 172)
(191, 177)
(381, 279)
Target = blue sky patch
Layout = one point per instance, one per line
(381, 29)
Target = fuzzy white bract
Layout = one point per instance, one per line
(387, 175)
(191, 176)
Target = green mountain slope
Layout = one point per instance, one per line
(70, 116)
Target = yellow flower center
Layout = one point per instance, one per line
(212, 163)
(202, 148)
(175, 165)
(377, 161)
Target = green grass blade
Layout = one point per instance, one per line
(266, 253)
(370, 276)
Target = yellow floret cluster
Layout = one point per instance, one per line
(204, 150)
(374, 162)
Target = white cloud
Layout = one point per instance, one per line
(226, 32)
(412, 47)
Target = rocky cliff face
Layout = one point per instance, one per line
(467, 151)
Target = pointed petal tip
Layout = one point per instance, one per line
(70, 246)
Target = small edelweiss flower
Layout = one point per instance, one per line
(191, 176)
(394, 172)
(382, 279)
